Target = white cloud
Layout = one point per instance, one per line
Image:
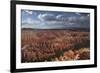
(50, 19)
(30, 21)
(40, 16)
(46, 16)
(62, 18)
(72, 19)
(77, 13)
(59, 16)
(29, 12)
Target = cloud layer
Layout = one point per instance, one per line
(51, 19)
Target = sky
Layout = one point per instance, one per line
(54, 20)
